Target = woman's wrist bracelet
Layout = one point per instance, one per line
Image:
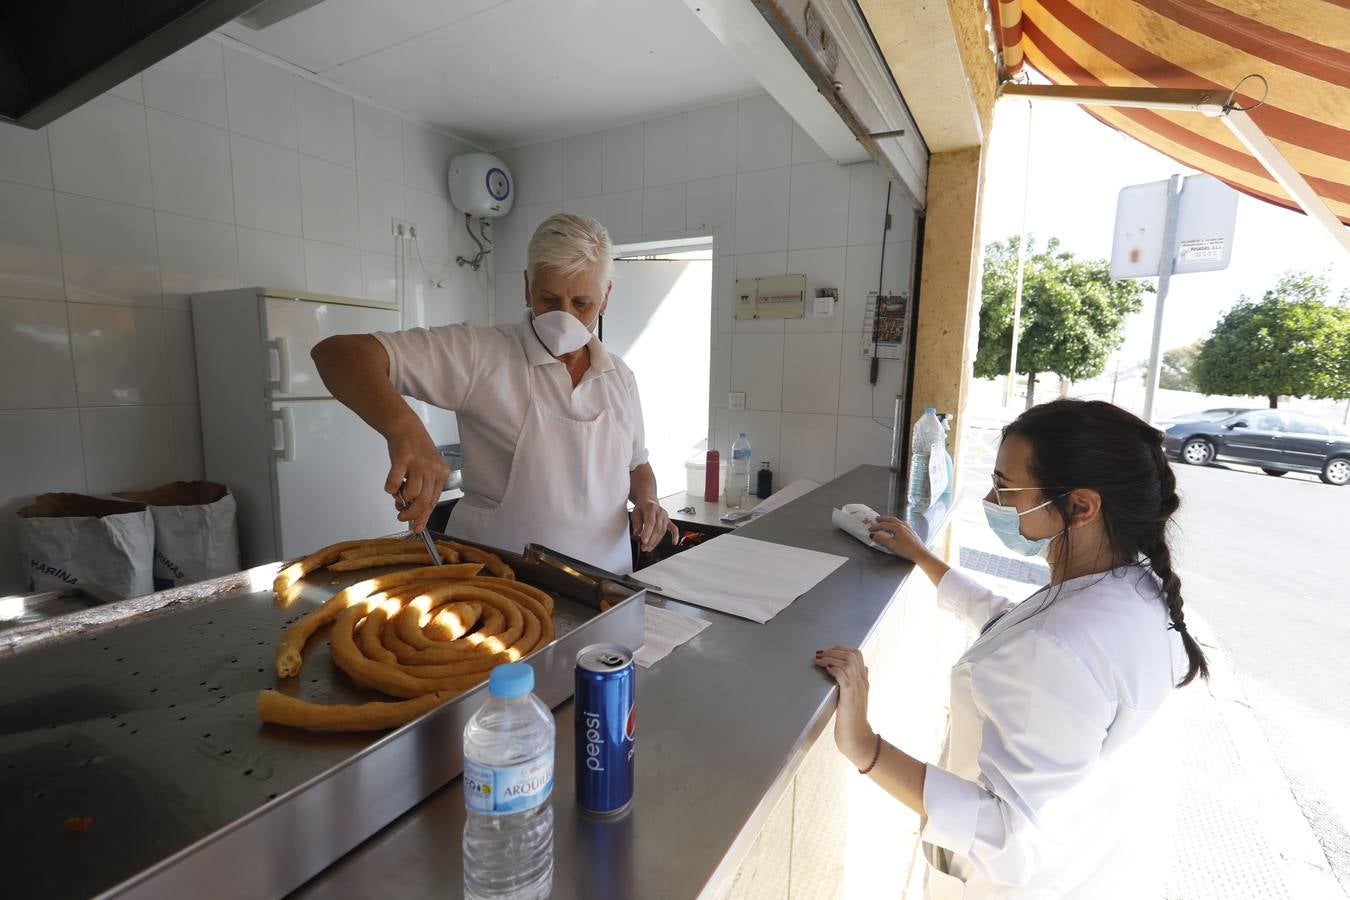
(876, 755)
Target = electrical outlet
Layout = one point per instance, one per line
(402, 228)
(736, 400)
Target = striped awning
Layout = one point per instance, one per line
(1301, 47)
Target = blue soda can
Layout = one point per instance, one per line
(606, 691)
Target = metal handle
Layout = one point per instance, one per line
(424, 534)
(286, 416)
(282, 384)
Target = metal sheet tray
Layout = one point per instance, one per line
(148, 729)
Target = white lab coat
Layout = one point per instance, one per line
(1056, 780)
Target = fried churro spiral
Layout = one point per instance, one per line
(423, 634)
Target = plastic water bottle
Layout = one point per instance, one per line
(946, 420)
(508, 779)
(738, 475)
(927, 432)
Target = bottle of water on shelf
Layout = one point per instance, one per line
(508, 779)
(927, 433)
(738, 475)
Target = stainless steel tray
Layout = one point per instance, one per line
(148, 728)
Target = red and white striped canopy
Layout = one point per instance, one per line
(1301, 47)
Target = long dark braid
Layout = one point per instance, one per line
(1159, 556)
(1097, 445)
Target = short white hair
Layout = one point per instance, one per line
(572, 244)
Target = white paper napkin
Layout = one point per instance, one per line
(856, 519)
(663, 631)
(741, 576)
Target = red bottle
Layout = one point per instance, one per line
(712, 481)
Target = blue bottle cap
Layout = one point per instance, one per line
(930, 409)
(511, 680)
(742, 434)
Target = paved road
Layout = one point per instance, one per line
(1267, 562)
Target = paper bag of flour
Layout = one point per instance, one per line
(195, 532)
(74, 540)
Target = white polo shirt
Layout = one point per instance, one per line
(483, 374)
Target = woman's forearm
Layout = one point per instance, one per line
(932, 566)
(355, 369)
(642, 484)
(900, 775)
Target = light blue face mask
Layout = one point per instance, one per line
(1006, 522)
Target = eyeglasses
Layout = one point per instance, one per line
(999, 491)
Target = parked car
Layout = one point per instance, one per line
(1278, 442)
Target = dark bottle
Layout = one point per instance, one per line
(764, 483)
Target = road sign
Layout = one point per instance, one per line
(1206, 215)
(1168, 228)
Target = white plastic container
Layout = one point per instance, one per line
(695, 473)
(508, 781)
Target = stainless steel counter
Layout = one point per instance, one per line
(722, 726)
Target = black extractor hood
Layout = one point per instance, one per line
(58, 54)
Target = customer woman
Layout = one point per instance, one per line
(1053, 741)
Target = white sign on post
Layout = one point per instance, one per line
(1206, 215)
(1168, 228)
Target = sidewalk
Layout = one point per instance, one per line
(1238, 832)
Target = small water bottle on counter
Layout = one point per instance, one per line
(927, 433)
(738, 474)
(508, 780)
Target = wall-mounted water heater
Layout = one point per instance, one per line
(481, 185)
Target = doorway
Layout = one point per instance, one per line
(659, 321)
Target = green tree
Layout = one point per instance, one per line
(1177, 372)
(1072, 313)
(1293, 343)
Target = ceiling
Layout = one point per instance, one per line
(501, 73)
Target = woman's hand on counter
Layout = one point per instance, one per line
(904, 542)
(852, 734)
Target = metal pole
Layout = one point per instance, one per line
(1021, 268)
(1115, 381)
(1288, 177)
(896, 435)
(1165, 265)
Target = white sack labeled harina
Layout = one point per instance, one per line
(78, 541)
(196, 537)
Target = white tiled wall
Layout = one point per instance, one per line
(211, 170)
(745, 172)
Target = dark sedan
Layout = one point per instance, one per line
(1277, 441)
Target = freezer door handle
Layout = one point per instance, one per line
(286, 417)
(282, 384)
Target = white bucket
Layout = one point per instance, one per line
(695, 469)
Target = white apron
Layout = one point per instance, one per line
(568, 490)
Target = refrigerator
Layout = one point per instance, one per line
(305, 470)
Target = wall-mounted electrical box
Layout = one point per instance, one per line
(775, 297)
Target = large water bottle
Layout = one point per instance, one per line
(508, 778)
(738, 475)
(927, 433)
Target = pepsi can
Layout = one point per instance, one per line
(606, 691)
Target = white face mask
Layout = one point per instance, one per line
(561, 333)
